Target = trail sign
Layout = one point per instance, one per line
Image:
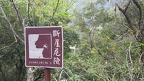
(44, 46)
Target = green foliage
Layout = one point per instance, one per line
(71, 38)
(110, 54)
(105, 48)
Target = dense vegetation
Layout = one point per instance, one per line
(99, 44)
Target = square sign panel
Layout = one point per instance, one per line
(44, 46)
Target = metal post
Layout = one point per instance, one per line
(47, 74)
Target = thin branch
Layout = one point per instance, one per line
(71, 5)
(55, 10)
(28, 12)
(41, 75)
(18, 14)
(10, 25)
(10, 44)
(60, 76)
(129, 52)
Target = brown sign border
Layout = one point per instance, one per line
(39, 27)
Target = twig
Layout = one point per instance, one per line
(10, 25)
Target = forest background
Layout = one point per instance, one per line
(103, 39)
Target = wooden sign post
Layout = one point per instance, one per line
(47, 74)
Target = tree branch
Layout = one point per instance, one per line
(18, 14)
(10, 25)
(127, 6)
(140, 13)
(126, 16)
(124, 10)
